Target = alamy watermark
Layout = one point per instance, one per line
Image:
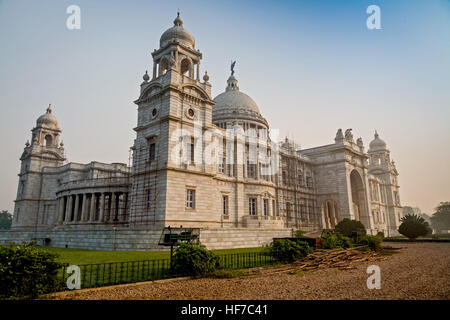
(374, 280)
(73, 21)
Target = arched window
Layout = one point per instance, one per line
(164, 66)
(48, 140)
(185, 66)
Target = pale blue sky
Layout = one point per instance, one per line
(311, 66)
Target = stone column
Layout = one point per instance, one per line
(112, 211)
(125, 205)
(68, 208)
(60, 210)
(258, 206)
(92, 208)
(77, 206)
(198, 70)
(154, 70)
(84, 207)
(101, 207)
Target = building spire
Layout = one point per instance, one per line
(49, 109)
(178, 22)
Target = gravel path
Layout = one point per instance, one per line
(417, 271)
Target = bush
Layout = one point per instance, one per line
(333, 241)
(350, 228)
(299, 233)
(27, 272)
(373, 242)
(286, 250)
(413, 226)
(380, 234)
(194, 260)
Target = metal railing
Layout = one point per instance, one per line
(104, 274)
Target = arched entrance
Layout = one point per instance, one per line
(330, 214)
(358, 196)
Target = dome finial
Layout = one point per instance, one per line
(206, 77)
(146, 77)
(376, 134)
(178, 22)
(49, 109)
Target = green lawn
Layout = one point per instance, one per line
(83, 256)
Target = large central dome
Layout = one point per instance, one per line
(234, 105)
(177, 32)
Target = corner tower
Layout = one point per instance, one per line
(45, 151)
(382, 167)
(173, 103)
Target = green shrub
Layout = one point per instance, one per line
(380, 234)
(413, 226)
(373, 242)
(334, 241)
(27, 272)
(299, 233)
(286, 250)
(194, 260)
(350, 228)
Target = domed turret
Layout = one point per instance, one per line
(377, 143)
(177, 32)
(47, 120)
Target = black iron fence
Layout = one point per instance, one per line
(104, 274)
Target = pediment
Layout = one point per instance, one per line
(195, 91)
(152, 89)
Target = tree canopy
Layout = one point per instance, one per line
(440, 220)
(414, 226)
(5, 219)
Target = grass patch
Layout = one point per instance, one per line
(85, 256)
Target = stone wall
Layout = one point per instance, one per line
(136, 239)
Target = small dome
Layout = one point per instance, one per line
(177, 32)
(236, 105)
(377, 143)
(47, 119)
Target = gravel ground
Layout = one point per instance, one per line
(417, 271)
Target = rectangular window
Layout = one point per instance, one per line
(251, 170)
(309, 182)
(190, 198)
(192, 149)
(300, 180)
(152, 152)
(266, 207)
(222, 165)
(225, 205)
(147, 199)
(273, 208)
(252, 206)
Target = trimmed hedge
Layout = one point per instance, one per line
(373, 242)
(286, 250)
(350, 228)
(27, 272)
(194, 260)
(334, 241)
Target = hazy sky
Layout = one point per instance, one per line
(311, 66)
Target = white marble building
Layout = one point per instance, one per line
(199, 162)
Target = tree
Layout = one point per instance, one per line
(5, 219)
(413, 226)
(441, 218)
(350, 228)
